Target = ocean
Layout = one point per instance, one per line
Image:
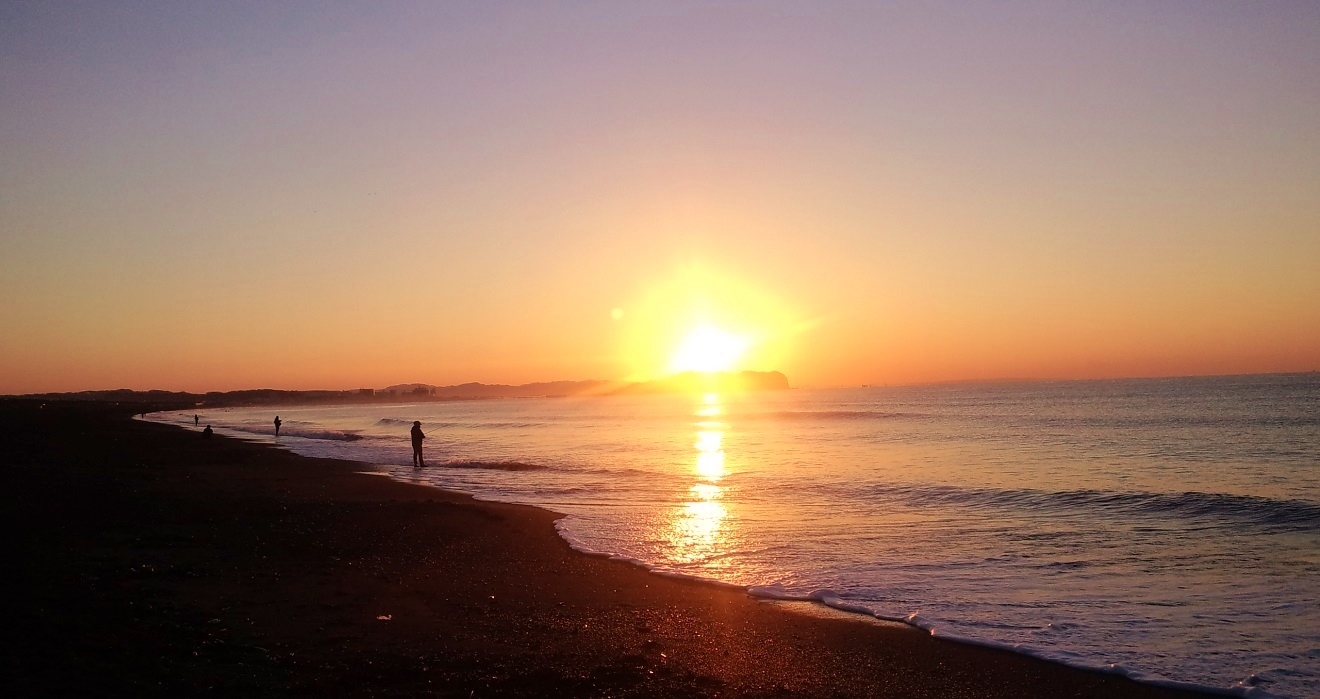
(1164, 529)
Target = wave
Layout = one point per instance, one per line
(494, 465)
(1174, 421)
(1248, 509)
(396, 422)
(830, 598)
(334, 435)
(287, 431)
(1070, 421)
(835, 415)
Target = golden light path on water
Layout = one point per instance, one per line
(696, 531)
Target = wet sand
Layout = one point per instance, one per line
(147, 560)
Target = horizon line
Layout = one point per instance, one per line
(940, 382)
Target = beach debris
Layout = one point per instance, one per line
(385, 617)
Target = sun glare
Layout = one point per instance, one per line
(708, 349)
(701, 321)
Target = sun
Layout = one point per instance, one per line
(708, 349)
(700, 320)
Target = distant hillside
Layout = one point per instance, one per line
(678, 383)
(180, 399)
(484, 390)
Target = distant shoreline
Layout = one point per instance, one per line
(178, 400)
(419, 393)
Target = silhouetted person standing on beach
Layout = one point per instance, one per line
(277, 425)
(207, 432)
(417, 438)
(196, 420)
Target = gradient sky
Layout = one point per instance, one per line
(331, 195)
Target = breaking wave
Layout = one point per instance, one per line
(1219, 507)
(493, 465)
(335, 435)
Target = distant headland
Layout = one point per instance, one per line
(688, 382)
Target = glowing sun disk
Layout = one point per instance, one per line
(708, 349)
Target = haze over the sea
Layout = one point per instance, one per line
(213, 196)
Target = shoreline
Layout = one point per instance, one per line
(814, 605)
(350, 584)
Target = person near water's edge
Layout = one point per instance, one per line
(196, 420)
(206, 432)
(277, 425)
(417, 437)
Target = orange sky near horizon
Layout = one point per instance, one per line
(214, 198)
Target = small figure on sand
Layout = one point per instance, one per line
(277, 425)
(417, 438)
(196, 420)
(206, 433)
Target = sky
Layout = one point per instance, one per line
(215, 196)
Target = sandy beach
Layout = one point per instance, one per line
(152, 561)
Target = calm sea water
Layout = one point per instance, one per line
(1165, 529)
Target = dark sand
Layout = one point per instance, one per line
(145, 560)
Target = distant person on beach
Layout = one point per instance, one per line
(277, 425)
(196, 420)
(417, 438)
(206, 432)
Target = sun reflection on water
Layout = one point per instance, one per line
(710, 455)
(696, 533)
